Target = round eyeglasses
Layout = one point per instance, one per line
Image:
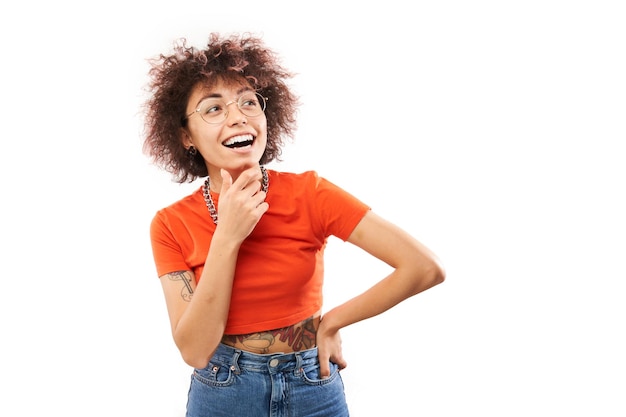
(214, 110)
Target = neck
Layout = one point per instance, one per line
(215, 177)
(206, 192)
(215, 181)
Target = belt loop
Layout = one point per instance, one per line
(234, 366)
(298, 370)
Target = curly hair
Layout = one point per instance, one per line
(173, 77)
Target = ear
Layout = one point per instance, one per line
(185, 138)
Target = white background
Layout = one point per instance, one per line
(491, 130)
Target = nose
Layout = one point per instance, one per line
(235, 116)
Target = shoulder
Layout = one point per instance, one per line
(306, 180)
(291, 182)
(180, 208)
(284, 177)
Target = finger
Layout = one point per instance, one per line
(262, 208)
(324, 360)
(341, 363)
(251, 176)
(324, 369)
(227, 180)
(252, 188)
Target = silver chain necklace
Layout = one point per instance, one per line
(206, 192)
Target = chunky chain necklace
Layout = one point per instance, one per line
(206, 192)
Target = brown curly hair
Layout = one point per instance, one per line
(232, 57)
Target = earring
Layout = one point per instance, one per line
(191, 151)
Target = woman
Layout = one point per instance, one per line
(240, 260)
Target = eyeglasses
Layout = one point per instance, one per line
(214, 110)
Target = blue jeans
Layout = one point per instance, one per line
(244, 384)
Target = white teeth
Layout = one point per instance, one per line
(237, 139)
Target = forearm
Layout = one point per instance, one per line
(392, 290)
(416, 269)
(201, 327)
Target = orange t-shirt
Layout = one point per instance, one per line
(279, 272)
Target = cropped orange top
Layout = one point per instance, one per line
(280, 270)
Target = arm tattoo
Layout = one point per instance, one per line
(186, 292)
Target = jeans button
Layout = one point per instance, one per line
(274, 363)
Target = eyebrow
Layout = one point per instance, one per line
(218, 95)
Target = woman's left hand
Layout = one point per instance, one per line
(329, 349)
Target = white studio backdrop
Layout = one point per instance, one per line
(494, 134)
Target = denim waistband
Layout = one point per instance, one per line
(274, 362)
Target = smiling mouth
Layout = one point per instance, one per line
(239, 141)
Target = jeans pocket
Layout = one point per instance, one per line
(217, 375)
(311, 374)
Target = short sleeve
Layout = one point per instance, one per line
(167, 253)
(338, 211)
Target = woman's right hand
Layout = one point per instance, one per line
(241, 203)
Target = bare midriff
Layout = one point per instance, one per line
(294, 338)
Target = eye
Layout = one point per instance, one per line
(249, 101)
(211, 108)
